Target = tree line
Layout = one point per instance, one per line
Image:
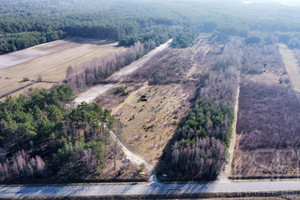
(98, 69)
(129, 22)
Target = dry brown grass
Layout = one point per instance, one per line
(145, 127)
(53, 62)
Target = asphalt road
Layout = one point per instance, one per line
(136, 189)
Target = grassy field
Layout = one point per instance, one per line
(49, 61)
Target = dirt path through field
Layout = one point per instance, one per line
(291, 66)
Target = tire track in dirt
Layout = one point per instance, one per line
(227, 169)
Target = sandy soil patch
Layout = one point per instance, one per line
(92, 93)
(139, 63)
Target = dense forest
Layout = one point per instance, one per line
(25, 24)
(41, 136)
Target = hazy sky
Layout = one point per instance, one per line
(286, 2)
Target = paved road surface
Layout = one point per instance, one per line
(131, 189)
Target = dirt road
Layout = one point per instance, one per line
(137, 64)
(227, 171)
(92, 93)
(291, 66)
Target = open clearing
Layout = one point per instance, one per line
(291, 66)
(147, 126)
(149, 115)
(50, 61)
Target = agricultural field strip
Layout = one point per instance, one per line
(53, 71)
(291, 66)
(25, 55)
(9, 59)
(157, 188)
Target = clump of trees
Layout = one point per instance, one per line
(291, 39)
(261, 108)
(184, 39)
(166, 67)
(42, 136)
(259, 59)
(199, 150)
(21, 165)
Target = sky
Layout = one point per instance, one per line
(284, 2)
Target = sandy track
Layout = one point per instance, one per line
(92, 93)
(129, 155)
(233, 137)
(137, 64)
(226, 171)
(291, 66)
